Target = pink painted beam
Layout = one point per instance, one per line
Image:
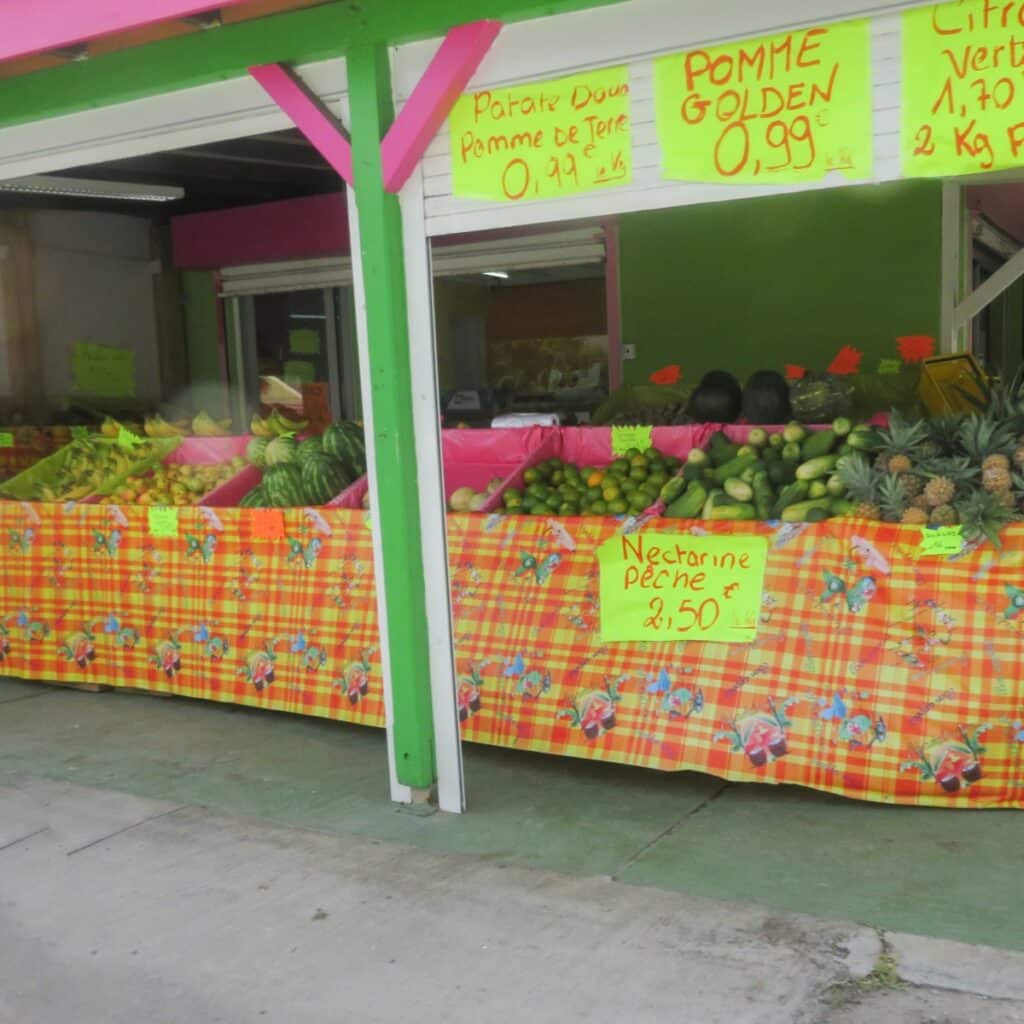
(454, 64)
(308, 116)
(32, 26)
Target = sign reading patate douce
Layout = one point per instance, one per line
(553, 138)
(786, 108)
(672, 587)
(963, 88)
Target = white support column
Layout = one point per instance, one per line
(951, 339)
(985, 294)
(399, 793)
(427, 420)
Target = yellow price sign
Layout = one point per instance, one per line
(963, 94)
(625, 438)
(672, 587)
(786, 108)
(941, 542)
(6, 440)
(162, 521)
(552, 138)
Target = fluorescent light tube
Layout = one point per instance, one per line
(501, 275)
(50, 185)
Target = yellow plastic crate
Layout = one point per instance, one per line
(944, 379)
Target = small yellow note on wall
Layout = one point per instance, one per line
(786, 108)
(963, 91)
(672, 587)
(626, 438)
(553, 138)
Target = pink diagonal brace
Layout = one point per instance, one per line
(308, 116)
(454, 64)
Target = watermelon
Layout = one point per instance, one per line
(256, 498)
(310, 447)
(281, 450)
(323, 478)
(345, 442)
(256, 451)
(283, 484)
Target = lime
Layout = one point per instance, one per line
(619, 466)
(531, 476)
(553, 502)
(599, 508)
(512, 494)
(640, 461)
(632, 453)
(618, 507)
(638, 501)
(593, 494)
(611, 493)
(628, 486)
(558, 476)
(537, 490)
(638, 473)
(568, 508)
(658, 479)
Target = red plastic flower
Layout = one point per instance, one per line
(847, 362)
(795, 372)
(916, 347)
(667, 374)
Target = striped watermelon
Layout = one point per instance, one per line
(323, 478)
(345, 442)
(281, 450)
(283, 485)
(256, 451)
(256, 498)
(312, 446)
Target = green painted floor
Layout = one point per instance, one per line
(947, 874)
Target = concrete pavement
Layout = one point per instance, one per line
(117, 909)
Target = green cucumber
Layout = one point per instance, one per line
(672, 490)
(818, 442)
(734, 467)
(823, 465)
(781, 473)
(792, 453)
(794, 433)
(842, 426)
(697, 457)
(842, 507)
(800, 511)
(737, 512)
(763, 496)
(723, 453)
(690, 505)
(818, 489)
(862, 438)
(758, 437)
(789, 495)
(776, 440)
(836, 487)
(738, 490)
(691, 471)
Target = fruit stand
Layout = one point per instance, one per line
(875, 673)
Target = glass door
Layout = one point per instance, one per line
(295, 350)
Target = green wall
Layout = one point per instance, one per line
(202, 341)
(787, 279)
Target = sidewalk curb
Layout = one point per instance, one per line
(956, 966)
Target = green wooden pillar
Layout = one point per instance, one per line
(398, 516)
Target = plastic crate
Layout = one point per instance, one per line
(944, 381)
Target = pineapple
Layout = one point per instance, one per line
(921, 501)
(1018, 453)
(912, 484)
(946, 476)
(892, 499)
(983, 515)
(915, 517)
(862, 481)
(900, 442)
(943, 515)
(988, 444)
(943, 435)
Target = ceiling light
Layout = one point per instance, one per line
(501, 275)
(87, 188)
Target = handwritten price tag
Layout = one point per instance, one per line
(888, 367)
(624, 438)
(553, 138)
(941, 542)
(671, 587)
(126, 439)
(267, 523)
(784, 108)
(962, 103)
(6, 440)
(163, 521)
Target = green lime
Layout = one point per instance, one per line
(638, 473)
(619, 466)
(512, 494)
(618, 507)
(652, 453)
(531, 476)
(599, 508)
(611, 493)
(628, 486)
(558, 477)
(513, 504)
(658, 479)
(537, 490)
(568, 508)
(638, 501)
(632, 453)
(593, 494)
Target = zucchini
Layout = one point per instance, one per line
(709, 504)
(738, 490)
(693, 472)
(862, 438)
(800, 510)
(763, 496)
(672, 490)
(734, 467)
(717, 439)
(722, 453)
(818, 489)
(690, 505)
(836, 487)
(781, 473)
(842, 507)
(747, 476)
(819, 442)
(789, 495)
(814, 468)
(737, 512)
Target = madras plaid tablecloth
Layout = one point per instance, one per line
(875, 674)
(290, 624)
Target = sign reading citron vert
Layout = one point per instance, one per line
(786, 108)
(672, 587)
(963, 88)
(552, 138)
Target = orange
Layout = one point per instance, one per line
(596, 478)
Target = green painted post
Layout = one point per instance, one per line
(380, 243)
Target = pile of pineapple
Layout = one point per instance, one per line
(956, 469)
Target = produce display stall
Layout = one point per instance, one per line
(876, 673)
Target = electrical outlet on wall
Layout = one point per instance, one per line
(629, 351)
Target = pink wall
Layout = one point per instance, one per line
(291, 229)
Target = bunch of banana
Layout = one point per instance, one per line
(157, 426)
(275, 425)
(204, 425)
(87, 467)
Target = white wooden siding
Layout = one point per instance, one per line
(188, 117)
(634, 34)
